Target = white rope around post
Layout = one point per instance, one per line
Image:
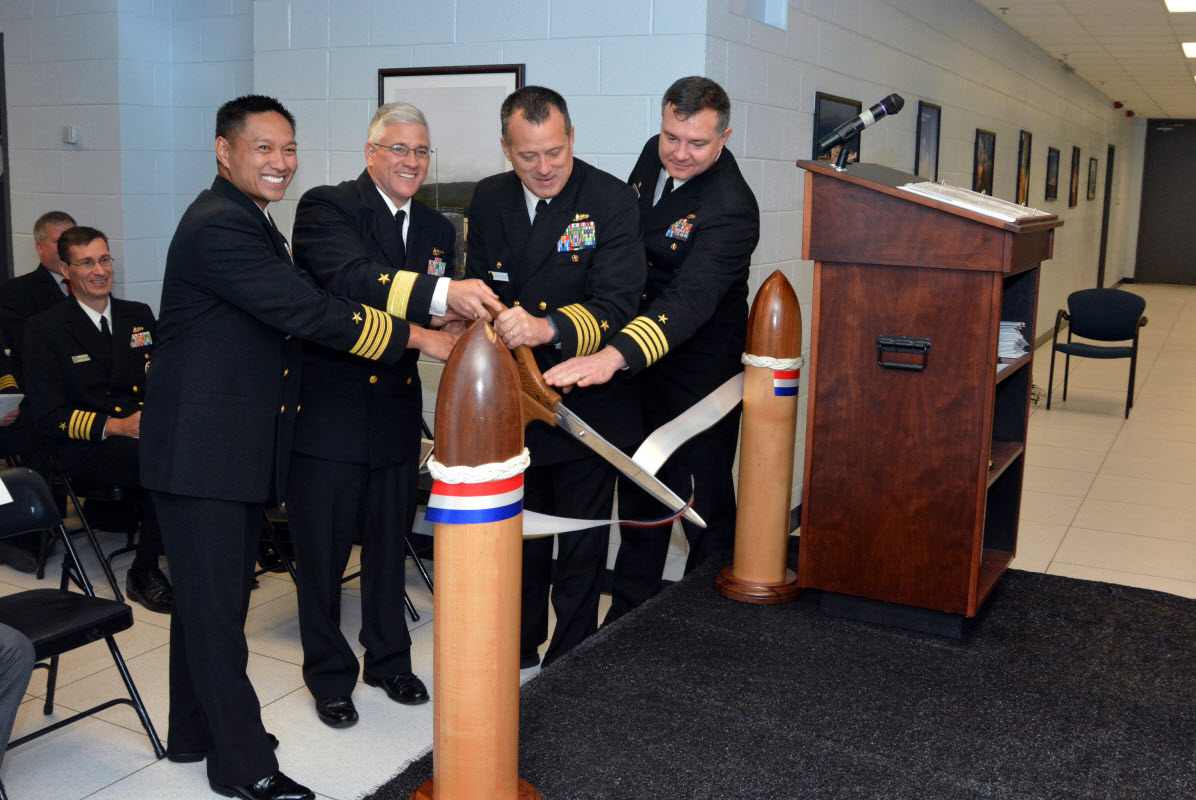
(482, 473)
(768, 362)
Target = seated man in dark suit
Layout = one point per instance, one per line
(85, 365)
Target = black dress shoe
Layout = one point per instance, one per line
(275, 786)
(404, 688)
(336, 712)
(191, 756)
(150, 588)
(529, 660)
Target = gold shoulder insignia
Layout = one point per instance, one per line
(663, 319)
(383, 279)
(357, 317)
(436, 251)
(580, 217)
(137, 329)
(692, 216)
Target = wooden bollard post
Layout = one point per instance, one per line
(478, 562)
(758, 573)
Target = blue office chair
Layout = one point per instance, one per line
(1106, 315)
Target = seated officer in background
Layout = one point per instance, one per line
(356, 453)
(85, 364)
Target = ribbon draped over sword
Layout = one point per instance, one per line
(497, 493)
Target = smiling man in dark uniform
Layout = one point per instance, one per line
(701, 224)
(356, 460)
(559, 241)
(218, 423)
(85, 364)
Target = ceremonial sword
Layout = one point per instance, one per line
(542, 402)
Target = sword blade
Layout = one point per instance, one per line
(579, 430)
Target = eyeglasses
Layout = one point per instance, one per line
(88, 263)
(400, 150)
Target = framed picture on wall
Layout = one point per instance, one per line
(1092, 178)
(829, 113)
(926, 146)
(982, 164)
(465, 145)
(1052, 176)
(1023, 167)
(1073, 193)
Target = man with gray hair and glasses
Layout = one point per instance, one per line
(357, 441)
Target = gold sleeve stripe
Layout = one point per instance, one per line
(7, 382)
(375, 334)
(589, 336)
(648, 335)
(81, 422)
(400, 293)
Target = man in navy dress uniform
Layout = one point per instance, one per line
(559, 241)
(357, 442)
(701, 224)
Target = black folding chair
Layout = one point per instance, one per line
(58, 620)
(1105, 315)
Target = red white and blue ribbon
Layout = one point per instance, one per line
(475, 503)
(784, 382)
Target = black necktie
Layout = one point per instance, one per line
(541, 207)
(104, 329)
(400, 216)
(668, 187)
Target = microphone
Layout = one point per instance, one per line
(851, 129)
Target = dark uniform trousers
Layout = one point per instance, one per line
(115, 462)
(217, 427)
(327, 502)
(579, 489)
(581, 264)
(218, 540)
(699, 241)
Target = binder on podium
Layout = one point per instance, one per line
(915, 443)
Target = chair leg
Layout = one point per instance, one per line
(410, 608)
(1051, 379)
(419, 562)
(51, 681)
(1066, 371)
(142, 713)
(91, 537)
(1129, 397)
(282, 556)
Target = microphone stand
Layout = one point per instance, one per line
(840, 164)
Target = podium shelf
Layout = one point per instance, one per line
(1001, 456)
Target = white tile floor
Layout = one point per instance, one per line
(1106, 499)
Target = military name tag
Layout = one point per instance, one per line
(79, 359)
(578, 236)
(436, 266)
(680, 230)
(141, 339)
(499, 276)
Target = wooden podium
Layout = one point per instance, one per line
(915, 441)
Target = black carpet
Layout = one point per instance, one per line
(1060, 689)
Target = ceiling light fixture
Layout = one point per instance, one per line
(1180, 5)
(1190, 49)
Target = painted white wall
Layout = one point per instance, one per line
(141, 79)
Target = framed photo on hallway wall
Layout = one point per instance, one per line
(1052, 174)
(1092, 167)
(829, 113)
(926, 146)
(982, 165)
(465, 145)
(1023, 167)
(1073, 193)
